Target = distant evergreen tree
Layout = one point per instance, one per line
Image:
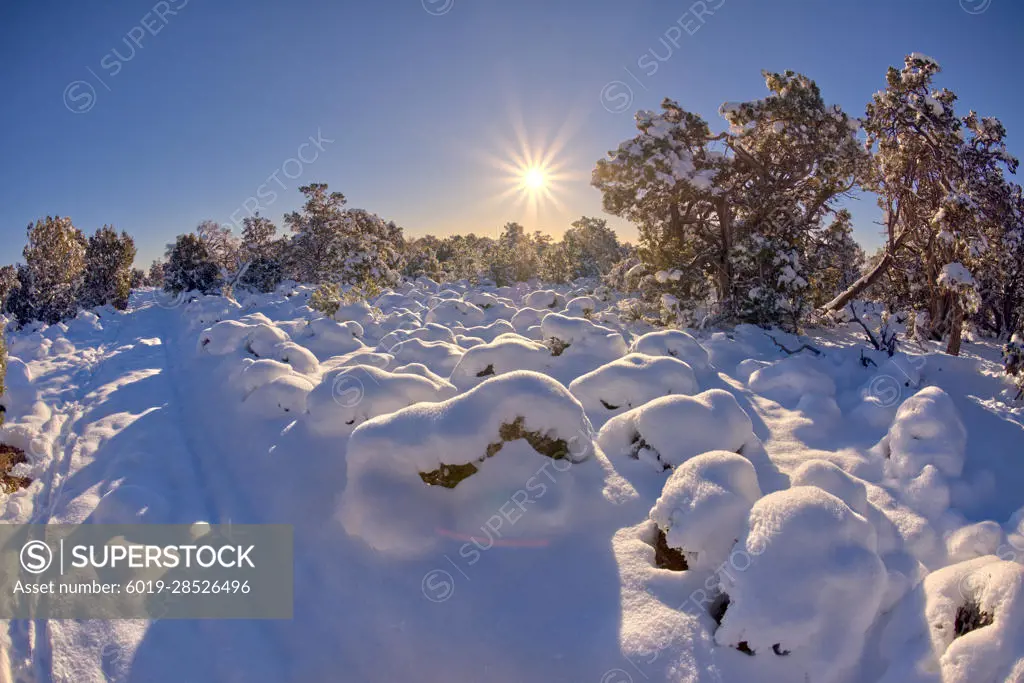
(262, 256)
(108, 269)
(138, 278)
(515, 257)
(155, 276)
(190, 266)
(317, 253)
(8, 282)
(345, 246)
(591, 247)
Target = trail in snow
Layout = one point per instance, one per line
(124, 446)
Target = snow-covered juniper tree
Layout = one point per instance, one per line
(465, 256)
(155, 276)
(190, 266)
(50, 283)
(836, 259)
(8, 281)
(317, 247)
(3, 368)
(261, 255)
(940, 181)
(346, 246)
(736, 212)
(108, 269)
(421, 258)
(591, 248)
(138, 278)
(373, 250)
(515, 257)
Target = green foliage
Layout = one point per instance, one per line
(326, 299)
(50, 282)
(108, 269)
(190, 266)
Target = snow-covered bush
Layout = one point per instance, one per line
(349, 396)
(927, 431)
(326, 337)
(455, 312)
(326, 299)
(519, 438)
(108, 269)
(581, 337)
(811, 585)
(507, 353)
(675, 343)
(704, 506)
(442, 357)
(963, 624)
(630, 382)
(1013, 361)
(791, 378)
(50, 282)
(545, 298)
(668, 431)
(191, 267)
(283, 396)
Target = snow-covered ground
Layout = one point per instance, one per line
(505, 485)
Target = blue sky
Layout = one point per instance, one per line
(152, 116)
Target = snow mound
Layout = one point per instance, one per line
(704, 506)
(544, 298)
(675, 343)
(253, 374)
(792, 378)
(326, 337)
(630, 382)
(580, 337)
(580, 307)
(433, 467)
(223, 338)
(488, 333)
(831, 478)
(812, 586)
(454, 311)
(441, 357)
(927, 431)
(963, 624)
(282, 396)
(668, 431)
(526, 318)
(349, 396)
(429, 333)
(505, 354)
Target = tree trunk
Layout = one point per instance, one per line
(953, 348)
(724, 267)
(860, 285)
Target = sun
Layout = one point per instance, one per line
(535, 178)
